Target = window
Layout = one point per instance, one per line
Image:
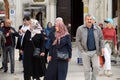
(2, 8)
(38, 0)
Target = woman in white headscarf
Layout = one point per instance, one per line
(33, 66)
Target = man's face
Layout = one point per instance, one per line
(7, 23)
(88, 21)
(26, 23)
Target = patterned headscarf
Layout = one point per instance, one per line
(35, 27)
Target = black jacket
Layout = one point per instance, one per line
(13, 35)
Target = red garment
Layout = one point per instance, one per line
(8, 39)
(110, 34)
(101, 61)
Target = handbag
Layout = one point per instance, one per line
(36, 52)
(62, 55)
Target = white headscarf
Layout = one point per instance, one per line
(36, 27)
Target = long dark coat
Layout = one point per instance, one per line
(18, 45)
(33, 66)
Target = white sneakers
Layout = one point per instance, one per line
(101, 73)
(107, 73)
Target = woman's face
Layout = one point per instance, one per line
(49, 24)
(2, 24)
(57, 28)
(108, 25)
(26, 23)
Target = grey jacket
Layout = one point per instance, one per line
(81, 38)
(2, 42)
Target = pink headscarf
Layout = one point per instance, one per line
(62, 30)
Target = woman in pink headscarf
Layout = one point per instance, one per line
(60, 41)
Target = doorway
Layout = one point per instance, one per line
(64, 10)
(76, 15)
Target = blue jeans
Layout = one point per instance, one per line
(9, 51)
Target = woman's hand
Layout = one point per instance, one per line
(42, 54)
(69, 59)
(49, 58)
(21, 52)
(115, 49)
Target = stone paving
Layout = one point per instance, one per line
(75, 71)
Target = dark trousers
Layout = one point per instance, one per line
(57, 70)
(20, 56)
(46, 53)
(9, 51)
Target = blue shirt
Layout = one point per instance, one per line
(91, 40)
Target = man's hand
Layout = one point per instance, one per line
(11, 31)
(7, 34)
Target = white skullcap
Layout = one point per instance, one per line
(59, 19)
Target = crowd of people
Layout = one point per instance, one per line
(96, 42)
(54, 48)
(31, 36)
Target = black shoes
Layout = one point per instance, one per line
(20, 59)
(5, 71)
(12, 72)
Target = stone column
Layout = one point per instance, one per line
(47, 11)
(85, 3)
(99, 11)
(105, 9)
(110, 8)
(52, 11)
(19, 13)
(92, 6)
